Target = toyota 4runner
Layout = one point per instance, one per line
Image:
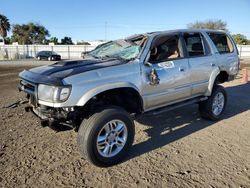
(100, 95)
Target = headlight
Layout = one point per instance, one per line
(53, 93)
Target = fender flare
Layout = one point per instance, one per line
(212, 78)
(97, 90)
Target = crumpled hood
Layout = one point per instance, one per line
(53, 74)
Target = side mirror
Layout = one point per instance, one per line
(153, 77)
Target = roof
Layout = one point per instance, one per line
(187, 30)
(174, 31)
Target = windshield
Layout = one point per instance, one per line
(120, 49)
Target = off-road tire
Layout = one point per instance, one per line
(206, 107)
(88, 133)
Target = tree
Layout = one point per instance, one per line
(240, 39)
(209, 24)
(66, 40)
(54, 40)
(4, 25)
(30, 33)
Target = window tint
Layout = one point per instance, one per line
(165, 48)
(222, 42)
(194, 44)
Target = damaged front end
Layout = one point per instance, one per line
(39, 91)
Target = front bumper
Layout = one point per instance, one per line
(45, 113)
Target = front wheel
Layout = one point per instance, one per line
(105, 137)
(213, 108)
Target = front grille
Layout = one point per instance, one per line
(30, 89)
(27, 86)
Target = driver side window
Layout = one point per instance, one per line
(164, 49)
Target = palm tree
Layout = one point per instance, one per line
(4, 25)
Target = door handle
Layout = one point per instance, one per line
(181, 69)
(212, 64)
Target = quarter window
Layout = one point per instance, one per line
(222, 42)
(194, 44)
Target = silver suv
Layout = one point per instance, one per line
(150, 73)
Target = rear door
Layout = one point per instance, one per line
(201, 62)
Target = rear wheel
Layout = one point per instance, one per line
(213, 108)
(105, 137)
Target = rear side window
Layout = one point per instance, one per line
(194, 44)
(222, 42)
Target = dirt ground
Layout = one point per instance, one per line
(174, 149)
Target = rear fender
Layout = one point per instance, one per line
(212, 79)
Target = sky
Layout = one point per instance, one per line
(112, 19)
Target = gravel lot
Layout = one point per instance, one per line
(174, 149)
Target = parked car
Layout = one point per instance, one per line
(48, 55)
(143, 74)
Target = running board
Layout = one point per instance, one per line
(174, 106)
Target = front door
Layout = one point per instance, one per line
(167, 63)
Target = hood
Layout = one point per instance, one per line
(64, 69)
(53, 74)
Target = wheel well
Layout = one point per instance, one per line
(127, 98)
(222, 77)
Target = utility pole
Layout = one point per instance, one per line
(106, 24)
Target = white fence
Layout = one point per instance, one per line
(30, 51)
(68, 51)
(244, 51)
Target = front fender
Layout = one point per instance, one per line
(97, 90)
(212, 78)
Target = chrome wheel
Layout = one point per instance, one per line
(112, 138)
(218, 104)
